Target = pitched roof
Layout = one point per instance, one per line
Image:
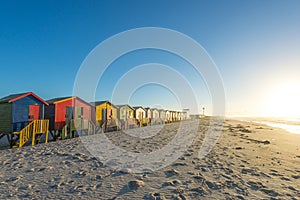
(61, 99)
(137, 107)
(14, 97)
(9, 97)
(58, 99)
(119, 106)
(97, 103)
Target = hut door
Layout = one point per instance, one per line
(79, 112)
(34, 112)
(104, 114)
(69, 113)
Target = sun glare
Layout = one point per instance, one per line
(284, 101)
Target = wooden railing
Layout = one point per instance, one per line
(91, 128)
(78, 125)
(31, 130)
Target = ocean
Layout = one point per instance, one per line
(291, 125)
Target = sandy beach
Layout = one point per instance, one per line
(249, 161)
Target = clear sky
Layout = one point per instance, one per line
(255, 45)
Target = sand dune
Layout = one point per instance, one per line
(249, 161)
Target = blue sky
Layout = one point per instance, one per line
(255, 45)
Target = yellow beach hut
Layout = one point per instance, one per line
(106, 115)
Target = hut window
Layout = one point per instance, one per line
(80, 112)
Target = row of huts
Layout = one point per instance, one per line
(66, 114)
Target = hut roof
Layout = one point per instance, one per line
(119, 106)
(61, 99)
(14, 97)
(54, 100)
(97, 103)
(137, 107)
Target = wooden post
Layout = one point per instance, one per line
(47, 135)
(33, 134)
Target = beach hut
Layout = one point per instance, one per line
(125, 115)
(186, 112)
(155, 116)
(168, 117)
(183, 115)
(173, 116)
(140, 115)
(106, 115)
(124, 112)
(148, 114)
(162, 115)
(177, 116)
(180, 116)
(18, 111)
(139, 112)
(68, 114)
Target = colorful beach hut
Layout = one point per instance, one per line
(139, 112)
(184, 115)
(125, 114)
(178, 115)
(155, 116)
(148, 114)
(106, 115)
(162, 115)
(68, 114)
(168, 116)
(173, 116)
(140, 115)
(18, 111)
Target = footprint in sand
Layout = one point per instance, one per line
(212, 185)
(78, 174)
(172, 183)
(200, 191)
(155, 196)
(269, 192)
(179, 197)
(133, 185)
(179, 164)
(171, 172)
(255, 185)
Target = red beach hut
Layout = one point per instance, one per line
(68, 111)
